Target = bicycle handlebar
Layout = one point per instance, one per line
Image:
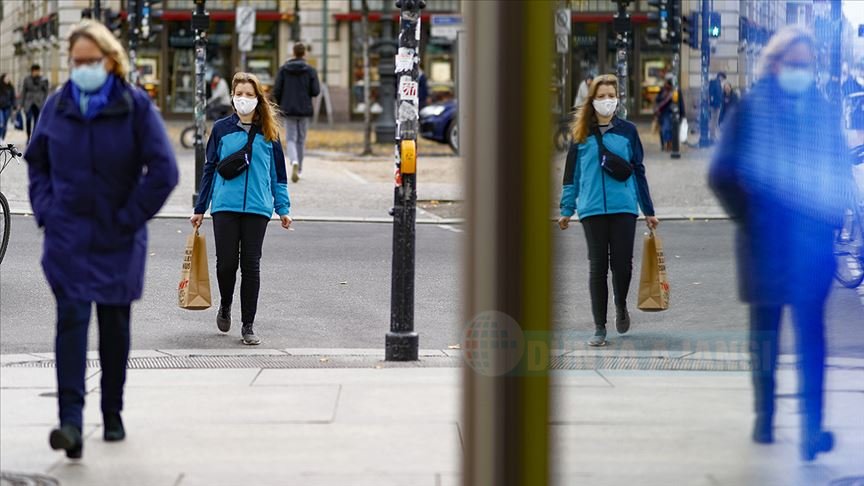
(11, 149)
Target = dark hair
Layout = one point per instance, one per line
(299, 49)
(721, 74)
(35, 67)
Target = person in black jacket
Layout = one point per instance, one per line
(296, 85)
(7, 101)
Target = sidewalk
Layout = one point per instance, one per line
(340, 185)
(344, 417)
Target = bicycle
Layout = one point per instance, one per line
(187, 136)
(849, 241)
(9, 152)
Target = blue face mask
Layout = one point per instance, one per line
(89, 77)
(795, 81)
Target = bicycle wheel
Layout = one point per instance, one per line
(5, 225)
(187, 137)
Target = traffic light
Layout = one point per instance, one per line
(659, 34)
(675, 22)
(714, 25)
(150, 12)
(114, 22)
(690, 27)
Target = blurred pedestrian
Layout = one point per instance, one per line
(782, 173)
(295, 86)
(7, 102)
(100, 166)
(664, 110)
(715, 102)
(422, 89)
(730, 99)
(219, 103)
(34, 92)
(242, 206)
(582, 92)
(606, 206)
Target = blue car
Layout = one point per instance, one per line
(438, 122)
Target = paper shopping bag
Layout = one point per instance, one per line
(194, 289)
(653, 283)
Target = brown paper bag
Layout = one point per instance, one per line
(653, 284)
(194, 289)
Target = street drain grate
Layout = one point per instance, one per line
(560, 363)
(21, 479)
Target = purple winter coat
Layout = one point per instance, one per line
(91, 192)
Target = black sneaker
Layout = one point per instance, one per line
(599, 337)
(622, 321)
(68, 438)
(249, 337)
(763, 432)
(113, 427)
(223, 319)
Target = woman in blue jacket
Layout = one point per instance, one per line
(242, 206)
(100, 166)
(782, 173)
(606, 206)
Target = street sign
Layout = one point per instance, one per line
(245, 20)
(562, 21)
(244, 41)
(445, 26)
(561, 46)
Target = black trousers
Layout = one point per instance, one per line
(809, 319)
(239, 238)
(73, 319)
(610, 244)
(32, 117)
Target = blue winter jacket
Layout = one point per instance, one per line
(590, 191)
(261, 189)
(93, 186)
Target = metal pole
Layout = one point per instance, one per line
(402, 343)
(676, 113)
(324, 41)
(134, 31)
(295, 22)
(97, 10)
(623, 28)
(200, 24)
(836, 44)
(704, 109)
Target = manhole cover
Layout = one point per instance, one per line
(22, 479)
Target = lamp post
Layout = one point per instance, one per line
(385, 129)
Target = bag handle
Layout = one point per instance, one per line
(249, 140)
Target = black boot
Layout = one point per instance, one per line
(68, 438)
(113, 429)
(763, 430)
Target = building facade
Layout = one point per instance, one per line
(35, 31)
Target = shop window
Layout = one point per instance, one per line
(222, 4)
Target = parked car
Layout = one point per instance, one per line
(438, 122)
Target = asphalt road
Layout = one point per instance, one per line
(327, 285)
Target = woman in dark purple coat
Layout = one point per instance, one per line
(100, 167)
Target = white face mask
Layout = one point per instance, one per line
(605, 107)
(245, 105)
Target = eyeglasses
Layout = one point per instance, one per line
(85, 61)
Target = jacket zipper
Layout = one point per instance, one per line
(246, 187)
(602, 177)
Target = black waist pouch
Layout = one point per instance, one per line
(237, 163)
(618, 168)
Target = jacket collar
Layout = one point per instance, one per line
(121, 102)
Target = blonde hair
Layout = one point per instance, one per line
(98, 34)
(779, 45)
(585, 117)
(265, 111)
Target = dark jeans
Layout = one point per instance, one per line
(73, 320)
(32, 117)
(239, 238)
(610, 244)
(5, 114)
(809, 321)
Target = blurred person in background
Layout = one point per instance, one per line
(100, 166)
(730, 99)
(607, 207)
(664, 111)
(7, 102)
(715, 102)
(296, 84)
(219, 103)
(783, 174)
(34, 91)
(582, 92)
